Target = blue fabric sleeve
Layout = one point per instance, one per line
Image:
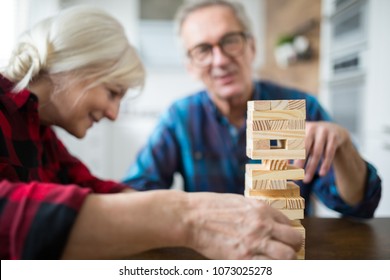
(326, 190)
(157, 162)
(325, 187)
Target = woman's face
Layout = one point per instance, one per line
(79, 107)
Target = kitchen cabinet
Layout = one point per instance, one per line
(355, 79)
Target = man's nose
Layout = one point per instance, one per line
(219, 57)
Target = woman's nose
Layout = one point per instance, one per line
(113, 110)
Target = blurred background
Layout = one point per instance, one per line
(337, 50)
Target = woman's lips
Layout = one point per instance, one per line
(93, 119)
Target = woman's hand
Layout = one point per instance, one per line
(229, 226)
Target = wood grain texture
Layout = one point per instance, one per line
(292, 190)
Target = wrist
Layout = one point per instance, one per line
(185, 220)
(345, 140)
(188, 220)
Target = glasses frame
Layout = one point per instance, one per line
(220, 44)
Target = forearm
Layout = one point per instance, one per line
(219, 226)
(350, 173)
(118, 225)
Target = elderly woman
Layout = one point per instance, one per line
(72, 70)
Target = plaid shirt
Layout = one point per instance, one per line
(195, 140)
(42, 186)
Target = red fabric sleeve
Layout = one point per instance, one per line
(36, 218)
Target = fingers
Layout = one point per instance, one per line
(321, 143)
(300, 163)
(329, 155)
(235, 227)
(279, 240)
(316, 138)
(270, 212)
(282, 242)
(287, 235)
(272, 249)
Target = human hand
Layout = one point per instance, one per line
(230, 226)
(322, 141)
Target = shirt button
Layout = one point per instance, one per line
(198, 155)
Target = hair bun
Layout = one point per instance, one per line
(25, 63)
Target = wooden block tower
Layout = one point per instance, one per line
(276, 134)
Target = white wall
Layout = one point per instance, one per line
(8, 19)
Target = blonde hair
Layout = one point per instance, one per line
(82, 41)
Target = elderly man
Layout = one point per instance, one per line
(203, 136)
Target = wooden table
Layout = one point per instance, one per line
(326, 239)
(346, 239)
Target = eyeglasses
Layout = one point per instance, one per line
(232, 44)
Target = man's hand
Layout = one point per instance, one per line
(323, 139)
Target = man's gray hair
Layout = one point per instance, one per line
(238, 10)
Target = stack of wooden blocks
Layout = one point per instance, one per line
(280, 122)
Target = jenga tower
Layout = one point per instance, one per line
(281, 122)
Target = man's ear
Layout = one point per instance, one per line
(252, 45)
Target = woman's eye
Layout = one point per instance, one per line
(112, 94)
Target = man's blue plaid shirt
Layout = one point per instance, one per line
(195, 140)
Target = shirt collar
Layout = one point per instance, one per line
(256, 91)
(210, 106)
(214, 110)
(19, 98)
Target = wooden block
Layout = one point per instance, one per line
(284, 202)
(296, 124)
(261, 144)
(291, 173)
(295, 144)
(298, 104)
(300, 228)
(293, 214)
(278, 184)
(276, 115)
(258, 144)
(260, 168)
(279, 104)
(301, 253)
(259, 125)
(259, 105)
(296, 223)
(256, 184)
(275, 164)
(259, 184)
(276, 134)
(295, 203)
(276, 154)
(279, 125)
(255, 166)
(262, 125)
(292, 190)
(265, 184)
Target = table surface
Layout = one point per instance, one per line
(326, 239)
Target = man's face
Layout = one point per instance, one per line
(226, 77)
